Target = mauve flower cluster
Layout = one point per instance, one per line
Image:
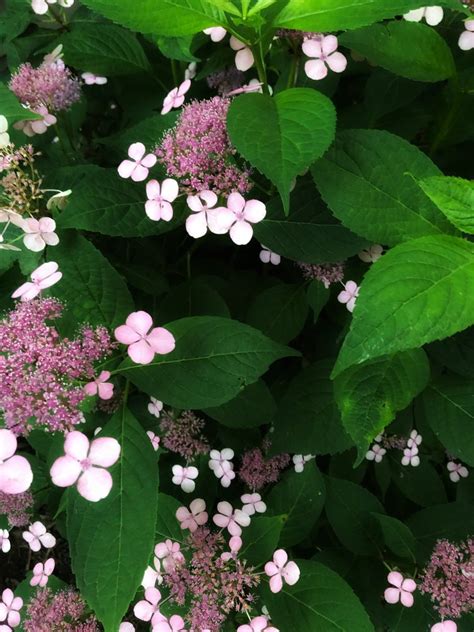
(449, 578)
(21, 182)
(51, 85)
(213, 587)
(256, 471)
(40, 372)
(224, 81)
(64, 611)
(183, 434)
(17, 507)
(198, 152)
(327, 273)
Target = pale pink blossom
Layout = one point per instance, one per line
(38, 537)
(168, 552)
(155, 407)
(220, 463)
(203, 216)
(41, 573)
(59, 200)
(349, 295)
(216, 33)
(43, 277)
(195, 518)
(144, 340)
(433, 15)
(39, 233)
(37, 126)
(40, 7)
(125, 626)
(4, 136)
(152, 575)
(280, 570)
(100, 386)
(174, 624)
(457, 471)
(230, 518)
(148, 608)
(414, 439)
(10, 607)
(16, 475)
(139, 166)
(444, 626)
(235, 544)
(155, 439)
(184, 476)
(253, 503)
(158, 206)
(90, 79)
(239, 216)
(84, 465)
(466, 39)
(55, 56)
(190, 71)
(244, 57)
(254, 85)
(258, 624)
(402, 590)
(300, 460)
(324, 55)
(5, 544)
(371, 254)
(376, 453)
(267, 256)
(410, 456)
(175, 98)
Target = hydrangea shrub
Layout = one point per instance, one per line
(236, 328)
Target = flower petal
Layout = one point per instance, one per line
(153, 210)
(149, 161)
(161, 340)
(153, 189)
(196, 224)
(136, 151)
(44, 271)
(254, 211)
(15, 475)
(65, 471)
(329, 44)
(104, 451)
(337, 62)
(312, 48)
(244, 59)
(8, 444)
(141, 352)
(126, 168)
(276, 583)
(169, 189)
(126, 335)
(315, 69)
(241, 233)
(95, 484)
(76, 445)
(140, 321)
(139, 174)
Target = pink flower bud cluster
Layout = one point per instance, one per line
(64, 610)
(17, 507)
(40, 373)
(256, 471)
(327, 273)
(183, 434)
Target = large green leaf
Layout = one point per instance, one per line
(369, 395)
(321, 601)
(449, 408)
(260, 539)
(411, 50)
(307, 419)
(282, 135)
(253, 406)
(166, 17)
(336, 15)
(422, 485)
(167, 525)
(454, 197)
(214, 358)
(91, 288)
(365, 179)
(416, 293)
(299, 498)
(349, 509)
(397, 536)
(105, 203)
(111, 541)
(104, 49)
(149, 131)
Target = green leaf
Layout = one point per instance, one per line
(166, 17)
(299, 499)
(320, 601)
(279, 312)
(149, 131)
(310, 234)
(349, 508)
(177, 47)
(397, 536)
(411, 50)
(282, 135)
(111, 541)
(454, 197)
(105, 203)
(193, 298)
(366, 180)
(416, 293)
(307, 419)
(252, 407)
(104, 49)
(214, 358)
(260, 539)
(422, 485)
(167, 525)
(317, 296)
(11, 108)
(91, 288)
(369, 395)
(449, 407)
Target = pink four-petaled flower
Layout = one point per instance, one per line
(175, 98)
(444, 626)
(204, 216)
(155, 439)
(258, 624)
(222, 466)
(244, 57)
(195, 518)
(39, 233)
(231, 519)
(37, 536)
(253, 503)
(144, 341)
(148, 608)
(158, 206)
(43, 277)
(138, 167)
(457, 471)
(401, 590)
(85, 464)
(100, 386)
(41, 573)
(280, 570)
(349, 295)
(376, 453)
(324, 55)
(10, 607)
(37, 126)
(155, 406)
(174, 624)
(410, 456)
(15, 472)
(169, 553)
(184, 476)
(235, 544)
(239, 216)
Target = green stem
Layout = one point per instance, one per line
(293, 76)
(259, 58)
(174, 70)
